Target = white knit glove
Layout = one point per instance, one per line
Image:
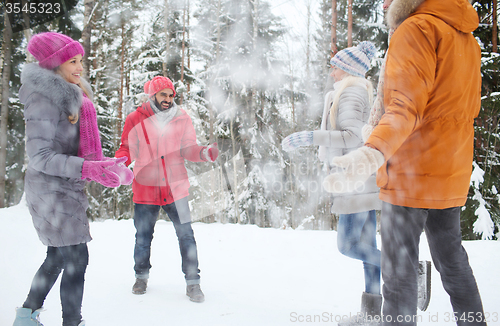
(297, 139)
(357, 167)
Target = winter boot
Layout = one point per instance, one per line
(424, 284)
(27, 317)
(371, 307)
(194, 293)
(140, 286)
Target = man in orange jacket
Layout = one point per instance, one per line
(423, 150)
(159, 136)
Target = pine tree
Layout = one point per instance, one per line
(114, 24)
(15, 154)
(4, 113)
(487, 144)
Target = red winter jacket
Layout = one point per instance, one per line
(160, 176)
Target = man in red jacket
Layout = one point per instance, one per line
(159, 136)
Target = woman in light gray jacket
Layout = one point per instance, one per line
(64, 150)
(347, 109)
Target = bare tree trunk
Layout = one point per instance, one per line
(235, 175)
(189, 47)
(27, 30)
(333, 44)
(211, 135)
(308, 46)
(349, 24)
(183, 57)
(167, 39)
(255, 17)
(495, 23)
(99, 59)
(292, 194)
(221, 186)
(86, 33)
(217, 45)
(292, 97)
(4, 115)
(119, 117)
(217, 58)
(255, 26)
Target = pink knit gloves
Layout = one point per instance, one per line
(111, 172)
(97, 171)
(125, 174)
(210, 153)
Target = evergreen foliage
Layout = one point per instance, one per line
(241, 93)
(487, 145)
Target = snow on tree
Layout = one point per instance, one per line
(483, 225)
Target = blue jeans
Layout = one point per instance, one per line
(356, 239)
(145, 219)
(401, 228)
(74, 261)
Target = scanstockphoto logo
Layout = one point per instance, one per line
(357, 319)
(340, 185)
(298, 177)
(306, 177)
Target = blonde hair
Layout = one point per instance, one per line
(73, 118)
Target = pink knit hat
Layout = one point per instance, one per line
(157, 84)
(53, 49)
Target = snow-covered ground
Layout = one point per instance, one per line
(250, 276)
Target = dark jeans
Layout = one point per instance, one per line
(74, 261)
(401, 228)
(356, 239)
(145, 219)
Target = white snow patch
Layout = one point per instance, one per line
(250, 276)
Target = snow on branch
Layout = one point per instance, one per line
(483, 225)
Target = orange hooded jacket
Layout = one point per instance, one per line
(432, 95)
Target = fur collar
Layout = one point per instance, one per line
(66, 96)
(399, 10)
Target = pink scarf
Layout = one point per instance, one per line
(90, 142)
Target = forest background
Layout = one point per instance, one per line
(249, 73)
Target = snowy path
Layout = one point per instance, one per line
(250, 276)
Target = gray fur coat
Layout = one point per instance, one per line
(350, 104)
(53, 186)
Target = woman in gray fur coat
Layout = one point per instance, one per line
(347, 109)
(64, 150)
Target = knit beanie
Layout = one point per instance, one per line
(355, 60)
(157, 84)
(53, 49)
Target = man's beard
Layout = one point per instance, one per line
(161, 108)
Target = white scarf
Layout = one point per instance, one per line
(165, 116)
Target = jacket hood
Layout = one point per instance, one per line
(457, 13)
(51, 85)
